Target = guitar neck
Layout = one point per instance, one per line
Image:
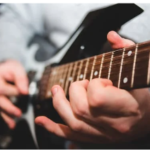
(127, 68)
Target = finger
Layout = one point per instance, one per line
(96, 93)
(8, 107)
(10, 122)
(81, 108)
(65, 132)
(8, 89)
(121, 125)
(77, 91)
(62, 106)
(21, 80)
(18, 76)
(118, 42)
(109, 100)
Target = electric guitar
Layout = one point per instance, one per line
(128, 68)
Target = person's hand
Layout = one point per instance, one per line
(11, 71)
(98, 111)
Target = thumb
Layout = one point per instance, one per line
(117, 41)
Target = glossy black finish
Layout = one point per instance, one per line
(96, 26)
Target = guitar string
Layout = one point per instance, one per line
(126, 62)
(109, 59)
(127, 49)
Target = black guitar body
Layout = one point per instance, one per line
(91, 41)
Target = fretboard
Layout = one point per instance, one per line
(127, 68)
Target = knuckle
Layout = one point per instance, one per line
(86, 80)
(135, 110)
(75, 127)
(93, 81)
(96, 99)
(79, 110)
(124, 128)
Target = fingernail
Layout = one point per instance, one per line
(54, 90)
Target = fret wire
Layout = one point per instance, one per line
(55, 79)
(65, 76)
(58, 75)
(121, 65)
(91, 76)
(80, 67)
(101, 65)
(70, 78)
(74, 70)
(127, 54)
(61, 77)
(48, 92)
(139, 49)
(51, 82)
(148, 72)
(85, 71)
(67, 79)
(110, 64)
(133, 69)
(118, 50)
(125, 63)
(43, 90)
(115, 58)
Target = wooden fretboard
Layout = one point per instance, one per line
(127, 68)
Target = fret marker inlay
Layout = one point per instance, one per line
(95, 73)
(129, 53)
(49, 93)
(125, 80)
(54, 73)
(81, 76)
(70, 78)
(134, 63)
(61, 80)
(82, 47)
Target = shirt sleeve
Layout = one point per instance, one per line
(18, 24)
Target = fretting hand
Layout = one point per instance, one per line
(98, 111)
